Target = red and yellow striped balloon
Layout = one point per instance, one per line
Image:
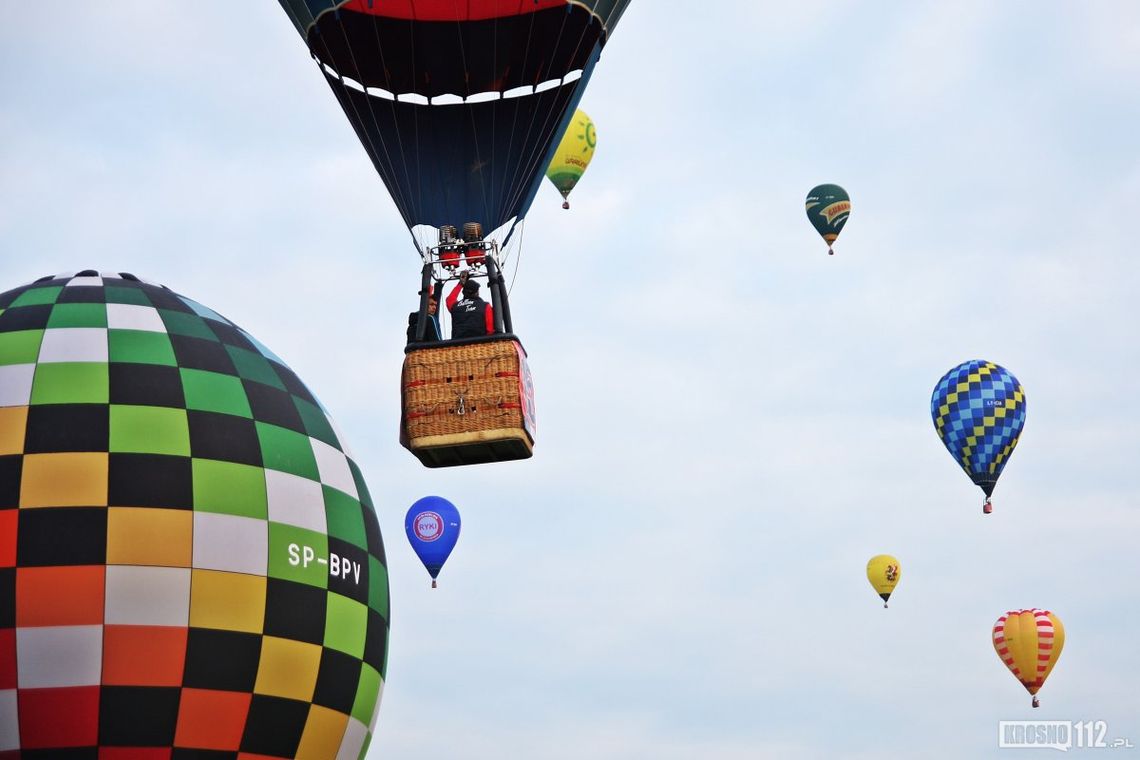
(1029, 643)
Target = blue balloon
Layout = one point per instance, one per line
(979, 412)
(433, 525)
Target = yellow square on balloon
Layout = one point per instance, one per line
(148, 536)
(288, 668)
(13, 424)
(227, 601)
(72, 479)
(324, 731)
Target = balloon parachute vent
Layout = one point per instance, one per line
(566, 205)
(987, 508)
(472, 232)
(447, 234)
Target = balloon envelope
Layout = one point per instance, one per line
(192, 561)
(432, 524)
(883, 572)
(1029, 642)
(828, 207)
(573, 154)
(978, 410)
(458, 104)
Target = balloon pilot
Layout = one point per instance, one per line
(471, 316)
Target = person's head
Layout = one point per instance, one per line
(433, 305)
(470, 289)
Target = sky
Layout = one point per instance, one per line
(730, 422)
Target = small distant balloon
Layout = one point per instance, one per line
(1029, 642)
(572, 155)
(883, 571)
(978, 410)
(432, 524)
(828, 207)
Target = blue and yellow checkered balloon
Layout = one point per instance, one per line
(979, 411)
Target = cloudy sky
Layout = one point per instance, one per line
(730, 421)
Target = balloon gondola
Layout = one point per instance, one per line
(459, 107)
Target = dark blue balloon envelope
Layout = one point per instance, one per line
(432, 524)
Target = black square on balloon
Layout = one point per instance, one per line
(223, 437)
(67, 427)
(337, 679)
(150, 480)
(62, 536)
(138, 716)
(222, 660)
(295, 611)
(274, 726)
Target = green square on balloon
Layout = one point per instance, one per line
(317, 425)
(149, 430)
(37, 296)
(300, 555)
(287, 451)
(71, 383)
(344, 517)
(214, 392)
(378, 586)
(190, 325)
(78, 315)
(140, 347)
(367, 692)
(254, 367)
(136, 296)
(229, 488)
(20, 346)
(346, 623)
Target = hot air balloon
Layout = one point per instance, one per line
(979, 411)
(883, 571)
(190, 557)
(572, 155)
(433, 525)
(459, 106)
(828, 207)
(1029, 642)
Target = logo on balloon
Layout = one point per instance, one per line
(428, 526)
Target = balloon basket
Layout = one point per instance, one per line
(468, 402)
(987, 508)
(433, 583)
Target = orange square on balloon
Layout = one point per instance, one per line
(209, 719)
(70, 595)
(143, 655)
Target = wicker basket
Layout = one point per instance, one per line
(467, 403)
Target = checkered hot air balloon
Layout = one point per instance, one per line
(190, 564)
(1029, 642)
(978, 410)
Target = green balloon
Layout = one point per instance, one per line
(828, 207)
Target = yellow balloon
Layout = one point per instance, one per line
(572, 155)
(1029, 642)
(883, 571)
